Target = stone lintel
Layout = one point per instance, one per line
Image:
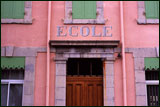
(79, 43)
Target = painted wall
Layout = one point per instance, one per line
(138, 36)
(113, 20)
(31, 35)
(40, 80)
(35, 35)
(118, 76)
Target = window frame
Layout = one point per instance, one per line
(8, 82)
(142, 17)
(27, 17)
(99, 19)
(150, 82)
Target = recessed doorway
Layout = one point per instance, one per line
(84, 82)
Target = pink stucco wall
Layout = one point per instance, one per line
(118, 81)
(113, 20)
(40, 80)
(138, 36)
(35, 35)
(31, 35)
(131, 95)
(118, 76)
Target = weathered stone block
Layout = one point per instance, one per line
(60, 103)
(3, 51)
(109, 69)
(28, 87)
(110, 93)
(141, 4)
(140, 89)
(109, 81)
(141, 101)
(140, 76)
(28, 100)
(60, 81)
(9, 50)
(60, 93)
(61, 69)
(139, 63)
(28, 4)
(109, 103)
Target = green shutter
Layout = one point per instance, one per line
(152, 9)
(151, 63)
(12, 62)
(84, 9)
(7, 9)
(18, 10)
(78, 9)
(90, 9)
(12, 9)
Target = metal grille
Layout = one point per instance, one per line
(152, 75)
(153, 95)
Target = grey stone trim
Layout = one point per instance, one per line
(109, 97)
(30, 61)
(21, 51)
(28, 93)
(80, 43)
(9, 50)
(27, 17)
(141, 90)
(62, 55)
(142, 52)
(141, 15)
(68, 15)
(157, 50)
(3, 51)
(60, 84)
(140, 84)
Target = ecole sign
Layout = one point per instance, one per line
(84, 31)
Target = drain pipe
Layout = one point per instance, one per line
(48, 54)
(123, 55)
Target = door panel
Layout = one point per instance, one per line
(99, 94)
(78, 94)
(69, 94)
(84, 91)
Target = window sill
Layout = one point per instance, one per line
(27, 17)
(84, 21)
(148, 21)
(16, 21)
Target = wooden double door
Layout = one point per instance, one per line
(84, 91)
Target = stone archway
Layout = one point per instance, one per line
(62, 55)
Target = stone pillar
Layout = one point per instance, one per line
(28, 91)
(60, 84)
(140, 83)
(108, 82)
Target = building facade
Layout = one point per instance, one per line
(76, 53)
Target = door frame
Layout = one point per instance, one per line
(62, 55)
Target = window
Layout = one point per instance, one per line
(84, 9)
(12, 87)
(16, 12)
(84, 67)
(148, 12)
(84, 12)
(152, 81)
(152, 9)
(12, 80)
